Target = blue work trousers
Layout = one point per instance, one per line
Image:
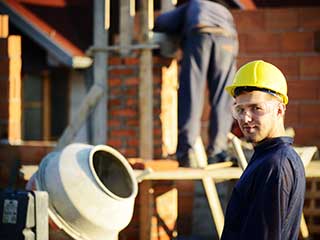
(208, 59)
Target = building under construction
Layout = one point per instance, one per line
(94, 72)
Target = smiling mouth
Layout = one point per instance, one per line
(249, 129)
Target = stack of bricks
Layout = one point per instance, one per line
(10, 83)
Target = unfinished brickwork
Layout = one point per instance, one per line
(123, 104)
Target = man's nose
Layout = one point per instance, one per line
(246, 116)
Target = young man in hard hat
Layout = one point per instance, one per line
(267, 201)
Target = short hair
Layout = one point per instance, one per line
(240, 90)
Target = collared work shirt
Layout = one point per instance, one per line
(267, 201)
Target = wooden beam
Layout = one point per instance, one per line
(214, 203)
(4, 26)
(146, 84)
(46, 107)
(146, 209)
(236, 143)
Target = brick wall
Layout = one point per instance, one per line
(287, 38)
(123, 104)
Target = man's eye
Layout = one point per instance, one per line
(239, 110)
(258, 108)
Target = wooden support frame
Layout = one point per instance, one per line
(146, 84)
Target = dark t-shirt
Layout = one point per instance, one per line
(267, 201)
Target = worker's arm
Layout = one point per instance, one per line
(171, 22)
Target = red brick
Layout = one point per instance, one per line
(131, 152)
(131, 81)
(116, 92)
(131, 91)
(242, 42)
(114, 82)
(115, 61)
(114, 142)
(307, 136)
(303, 89)
(282, 19)
(123, 112)
(297, 42)
(133, 142)
(157, 132)
(292, 115)
(132, 101)
(241, 59)
(309, 114)
(157, 152)
(289, 65)
(119, 72)
(310, 66)
(114, 103)
(157, 79)
(132, 122)
(249, 21)
(262, 42)
(114, 123)
(309, 18)
(131, 61)
(122, 133)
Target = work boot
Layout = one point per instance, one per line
(188, 159)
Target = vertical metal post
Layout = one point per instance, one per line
(146, 83)
(100, 39)
(127, 12)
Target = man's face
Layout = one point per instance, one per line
(258, 114)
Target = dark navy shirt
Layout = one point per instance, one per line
(267, 201)
(188, 16)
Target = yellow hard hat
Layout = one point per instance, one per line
(262, 75)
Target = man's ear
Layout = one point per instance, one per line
(281, 109)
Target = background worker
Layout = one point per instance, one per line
(267, 201)
(210, 46)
